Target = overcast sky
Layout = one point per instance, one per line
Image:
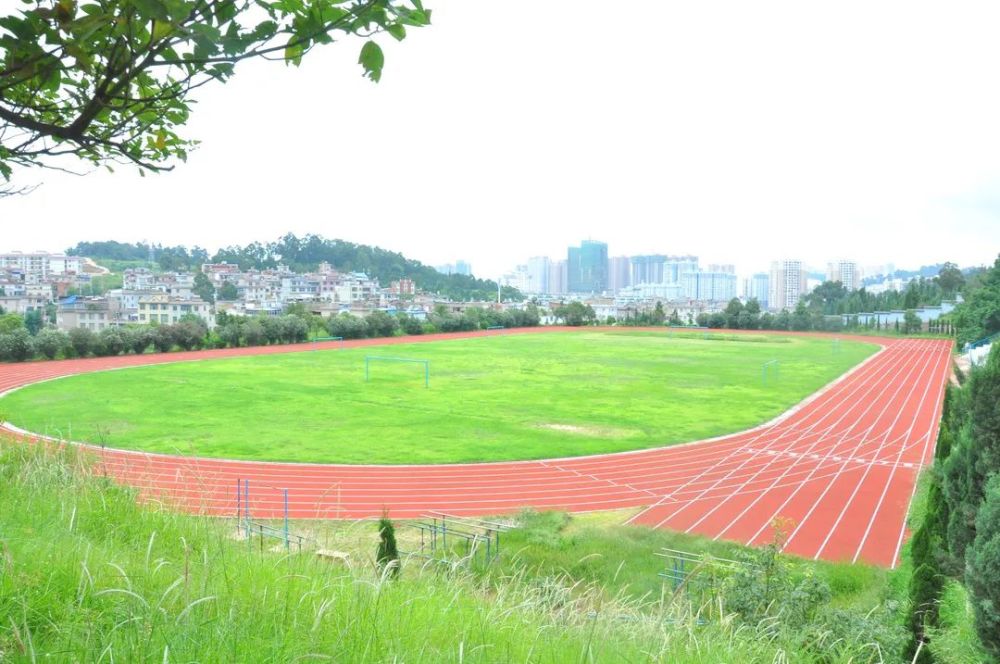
(738, 131)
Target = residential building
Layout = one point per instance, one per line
(728, 268)
(164, 309)
(787, 283)
(759, 288)
(705, 286)
(557, 278)
(587, 267)
(663, 292)
(675, 266)
(619, 273)
(39, 265)
(538, 274)
(647, 269)
(846, 272)
(91, 313)
(402, 287)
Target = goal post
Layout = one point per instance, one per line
(382, 358)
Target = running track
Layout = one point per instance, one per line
(839, 470)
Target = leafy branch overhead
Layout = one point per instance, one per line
(110, 80)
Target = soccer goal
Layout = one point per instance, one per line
(381, 358)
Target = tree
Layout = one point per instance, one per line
(658, 314)
(911, 322)
(203, 288)
(110, 341)
(16, 346)
(381, 324)
(732, 313)
(137, 339)
(576, 314)
(50, 342)
(979, 315)
(34, 321)
(951, 279)
(10, 322)
(109, 81)
(82, 340)
(387, 555)
(982, 571)
(228, 292)
(162, 338)
(347, 326)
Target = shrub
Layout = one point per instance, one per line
(16, 346)
(387, 555)
(110, 341)
(82, 340)
(51, 342)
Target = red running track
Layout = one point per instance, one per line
(838, 471)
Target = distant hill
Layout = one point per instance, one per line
(302, 255)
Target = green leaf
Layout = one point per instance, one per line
(161, 29)
(372, 60)
(396, 30)
(293, 52)
(151, 9)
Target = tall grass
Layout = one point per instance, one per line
(88, 575)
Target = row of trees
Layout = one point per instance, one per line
(18, 343)
(303, 255)
(959, 537)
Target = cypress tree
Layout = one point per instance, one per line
(387, 555)
(927, 582)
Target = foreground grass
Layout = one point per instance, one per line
(87, 575)
(491, 398)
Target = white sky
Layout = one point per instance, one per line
(738, 131)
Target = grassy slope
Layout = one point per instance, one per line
(491, 398)
(87, 575)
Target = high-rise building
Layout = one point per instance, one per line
(759, 289)
(728, 268)
(538, 274)
(463, 268)
(705, 286)
(587, 267)
(675, 266)
(619, 274)
(846, 272)
(557, 278)
(787, 284)
(647, 269)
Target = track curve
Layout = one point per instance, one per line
(838, 472)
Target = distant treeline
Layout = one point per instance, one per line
(304, 255)
(20, 341)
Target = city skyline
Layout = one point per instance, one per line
(621, 141)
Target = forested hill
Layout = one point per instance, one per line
(302, 255)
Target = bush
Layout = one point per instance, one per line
(82, 340)
(16, 346)
(387, 555)
(347, 326)
(381, 324)
(110, 341)
(982, 572)
(51, 342)
(137, 339)
(162, 338)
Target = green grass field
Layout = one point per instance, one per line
(490, 398)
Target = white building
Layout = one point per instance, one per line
(538, 274)
(163, 309)
(846, 272)
(41, 265)
(787, 284)
(709, 286)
